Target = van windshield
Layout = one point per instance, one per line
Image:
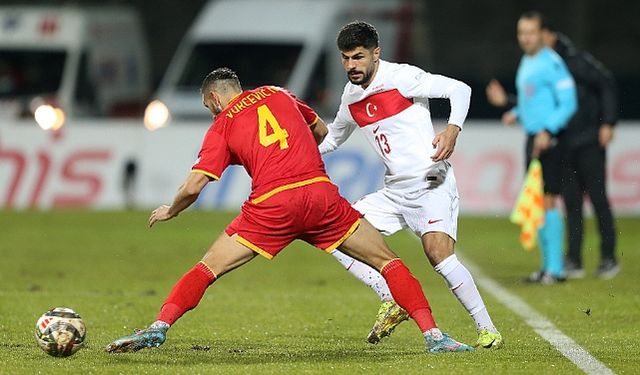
(257, 64)
(30, 72)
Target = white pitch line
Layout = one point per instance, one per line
(541, 325)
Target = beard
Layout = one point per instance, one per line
(216, 110)
(365, 76)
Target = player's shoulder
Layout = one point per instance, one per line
(390, 68)
(267, 90)
(278, 91)
(393, 68)
(215, 132)
(219, 124)
(402, 75)
(267, 94)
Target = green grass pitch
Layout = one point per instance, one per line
(299, 313)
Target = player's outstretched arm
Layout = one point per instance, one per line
(187, 194)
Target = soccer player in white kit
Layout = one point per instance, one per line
(388, 102)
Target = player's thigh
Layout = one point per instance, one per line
(269, 226)
(381, 211)
(227, 254)
(368, 246)
(434, 210)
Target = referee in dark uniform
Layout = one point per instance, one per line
(585, 141)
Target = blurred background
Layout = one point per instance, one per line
(95, 74)
(473, 41)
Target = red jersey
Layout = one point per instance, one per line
(266, 130)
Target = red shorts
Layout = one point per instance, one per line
(314, 213)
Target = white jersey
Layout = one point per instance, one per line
(393, 114)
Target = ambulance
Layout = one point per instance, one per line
(67, 62)
(290, 43)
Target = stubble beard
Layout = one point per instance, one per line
(216, 110)
(366, 77)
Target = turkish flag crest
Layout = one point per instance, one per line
(378, 107)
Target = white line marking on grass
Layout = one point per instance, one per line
(541, 325)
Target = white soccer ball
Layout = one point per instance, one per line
(60, 332)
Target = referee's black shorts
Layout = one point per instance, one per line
(552, 166)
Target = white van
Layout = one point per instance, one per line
(290, 43)
(82, 61)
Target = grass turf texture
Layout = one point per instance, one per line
(299, 313)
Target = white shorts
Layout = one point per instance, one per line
(426, 210)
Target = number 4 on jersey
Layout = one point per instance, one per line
(266, 118)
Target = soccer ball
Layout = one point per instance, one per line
(60, 332)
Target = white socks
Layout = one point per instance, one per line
(464, 288)
(365, 274)
(434, 333)
(455, 273)
(159, 324)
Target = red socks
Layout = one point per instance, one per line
(408, 294)
(406, 291)
(187, 293)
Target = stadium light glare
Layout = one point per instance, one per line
(49, 117)
(156, 115)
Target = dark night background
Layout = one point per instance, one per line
(469, 40)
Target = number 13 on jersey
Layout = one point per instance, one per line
(267, 119)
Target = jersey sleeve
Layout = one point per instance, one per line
(339, 130)
(564, 90)
(214, 156)
(416, 83)
(310, 116)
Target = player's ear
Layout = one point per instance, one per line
(215, 98)
(376, 54)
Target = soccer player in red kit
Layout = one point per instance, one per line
(267, 130)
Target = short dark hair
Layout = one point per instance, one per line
(357, 34)
(534, 14)
(220, 74)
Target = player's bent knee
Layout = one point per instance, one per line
(437, 246)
